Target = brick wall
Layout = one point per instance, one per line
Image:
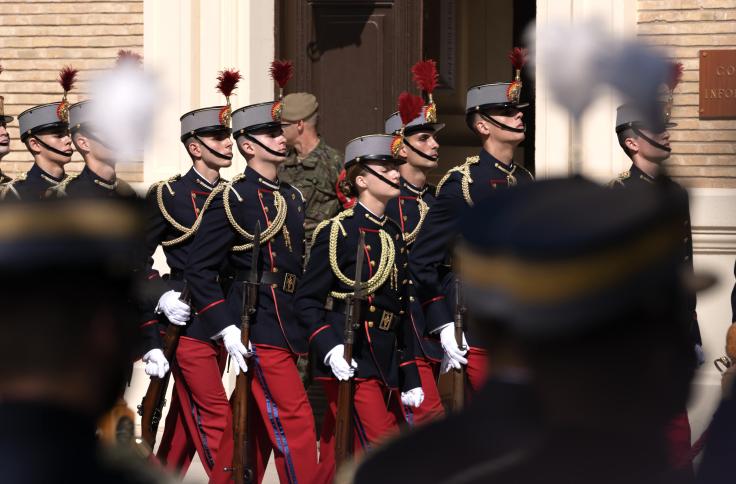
(39, 37)
(704, 152)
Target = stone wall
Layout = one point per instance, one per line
(38, 38)
(704, 152)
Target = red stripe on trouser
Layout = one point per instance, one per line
(176, 445)
(287, 393)
(202, 399)
(678, 441)
(477, 369)
(431, 408)
(378, 423)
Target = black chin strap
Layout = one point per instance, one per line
(499, 124)
(420, 153)
(650, 140)
(52, 149)
(381, 177)
(211, 150)
(269, 150)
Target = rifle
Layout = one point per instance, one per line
(458, 376)
(242, 468)
(344, 417)
(153, 403)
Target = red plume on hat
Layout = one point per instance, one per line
(517, 56)
(67, 78)
(227, 82)
(128, 56)
(410, 107)
(426, 78)
(676, 71)
(281, 72)
(675, 76)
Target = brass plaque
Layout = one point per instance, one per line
(717, 84)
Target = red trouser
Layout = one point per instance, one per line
(199, 409)
(372, 422)
(678, 440)
(282, 421)
(431, 408)
(477, 368)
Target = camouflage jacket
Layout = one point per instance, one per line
(315, 176)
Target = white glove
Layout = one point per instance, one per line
(176, 311)
(413, 398)
(156, 364)
(699, 354)
(340, 367)
(453, 354)
(235, 347)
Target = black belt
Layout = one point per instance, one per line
(376, 317)
(285, 280)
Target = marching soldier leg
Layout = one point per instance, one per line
(431, 408)
(373, 421)
(177, 448)
(477, 369)
(198, 381)
(284, 409)
(326, 472)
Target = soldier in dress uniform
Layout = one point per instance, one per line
(493, 112)
(648, 147)
(98, 178)
(415, 127)
(282, 420)
(594, 348)
(312, 166)
(63, 361)
(384, 352)
(44, 129)
(199, 409)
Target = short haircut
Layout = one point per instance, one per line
(623, 136)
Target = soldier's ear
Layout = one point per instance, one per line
(81, 142)
(403, 152)
(195, 151)
(632, 145)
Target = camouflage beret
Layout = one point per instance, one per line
(298, 106)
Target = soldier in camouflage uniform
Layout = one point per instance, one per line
(312, 166)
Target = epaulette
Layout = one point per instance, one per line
(347, 213)
(164, 183)
(60, 189)
(9, 187)
(619, 180)
(466, 179)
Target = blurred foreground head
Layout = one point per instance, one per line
(66, 285)
(589, 283)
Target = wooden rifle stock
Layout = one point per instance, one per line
(242, 467)
(458, 376)
(152, 406)
(344, 418)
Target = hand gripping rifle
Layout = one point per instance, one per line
(152, 405)
(458, 376)
(242, 468)
(344, 423)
